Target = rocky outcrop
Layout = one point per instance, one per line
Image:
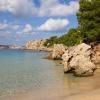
(37, 45)
(11, 47)
(78, 60)
(58, 51)
(16, 47)
(4, 46)
(96, 53)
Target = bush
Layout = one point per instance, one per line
(69, 39)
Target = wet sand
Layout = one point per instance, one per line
(91, 95)
(56, 95)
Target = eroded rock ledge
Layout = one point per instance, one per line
(37, 45)
(76, 59)
(79, 59)
(58, 51)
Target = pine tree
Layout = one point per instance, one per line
(89, 20)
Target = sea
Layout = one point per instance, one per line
(23, 72)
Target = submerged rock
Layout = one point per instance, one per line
(78, 60)
(58, 51)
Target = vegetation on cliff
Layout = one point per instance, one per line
(89, 20)
(88, 26)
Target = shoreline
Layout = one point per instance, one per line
(48, 95)
(90, 95)
(57, 94)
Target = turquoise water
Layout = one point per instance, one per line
(23, 71)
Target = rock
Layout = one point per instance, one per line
(78, 60)
(35, 45)
(96, 54)
(16, 47)
(48, 56)
(38, 45)
(4, 46)
(58, 51)
(47, 49)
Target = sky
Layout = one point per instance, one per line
(24, 20)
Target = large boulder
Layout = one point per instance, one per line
(78, 60)
(58, 51)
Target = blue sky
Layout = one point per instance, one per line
(23, 20)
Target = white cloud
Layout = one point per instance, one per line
(53, 25)
(5, 35)
(47, 8)
(27, 29)
(54, 8)
(18, 7)
(15, 27)
(3, 26)
(3, 5)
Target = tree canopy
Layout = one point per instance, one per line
(88, 26)
(89, 20)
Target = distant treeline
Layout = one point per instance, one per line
(88, 26)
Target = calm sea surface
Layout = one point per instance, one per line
(24, 71)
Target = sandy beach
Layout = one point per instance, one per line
(90, 95)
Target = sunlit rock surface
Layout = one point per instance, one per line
(78, 60)
(37, 45)
(58, 51)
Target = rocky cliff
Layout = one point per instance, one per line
(58, 51)
(79, 59)
(96, 55)
(76, 59)
(37, 45)
(16, 47)
(4, 46)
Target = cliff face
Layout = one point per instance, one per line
(16, 47)
(58, 51)
(78, 60)
(11, 47)
(96, 55)
(37, 45)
